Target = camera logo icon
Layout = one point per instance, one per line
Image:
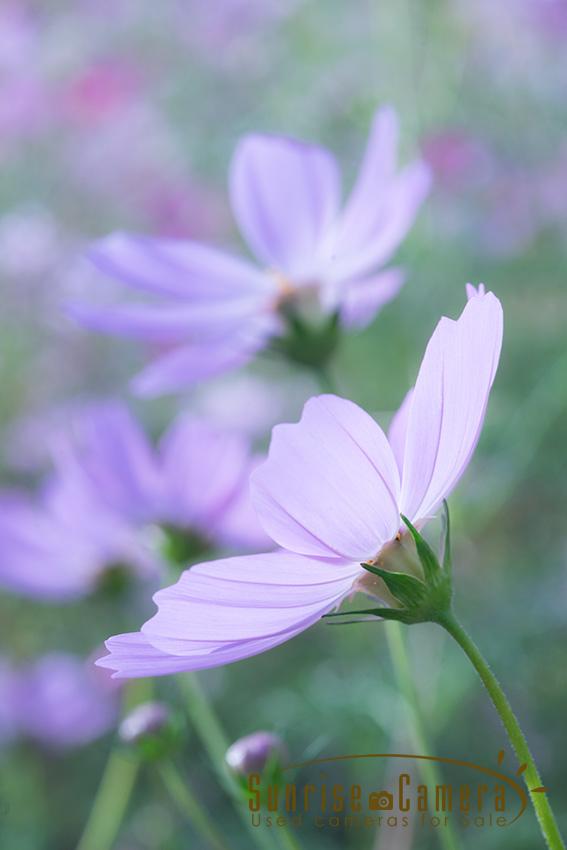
(381, 801)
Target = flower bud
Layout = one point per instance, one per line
(254, 752)
(152, 729)
(149, 718)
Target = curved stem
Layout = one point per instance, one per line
(544, 813)
(215, 742)
(406, 684)
(110, 802)
(189, 806)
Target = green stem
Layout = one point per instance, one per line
(326, 380)
(215, 742)
(406, 683)
(287, 838)
(110, 802)
(188, 804)
(544, 813)
(116, 785)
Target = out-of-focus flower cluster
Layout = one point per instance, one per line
(58, 700)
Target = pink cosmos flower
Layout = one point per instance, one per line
(109, 485)
(195, 479)
(330, 495)
(214, 310)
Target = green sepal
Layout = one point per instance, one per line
(383, 613)
(159, 745)
(426, 555)
(446, 532)
(410, 591)
(310, 345)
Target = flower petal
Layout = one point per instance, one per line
(239, 526)
(62, 703)
(205, 469)
(176, 268)
(189, 364)
(449, 403)
(37, 561)
(118, 462)
(397, 431)
(383, 224)
(285, 196)
(256, 600)
(132, 656)
(330, 485)
(361, 300)
(168, 322)
(375, 176)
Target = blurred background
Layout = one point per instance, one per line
(123, 115)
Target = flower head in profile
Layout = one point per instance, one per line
(330, 495)
(213, 311)
(109, 486)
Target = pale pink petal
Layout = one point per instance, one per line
(285, 196)
(449, 403)
(398, 430)
(198, 361)
(119, 464)
(239, 526)
(132, 656)
(374, 177)
(387, 220)
(169, 322)
(472, 290)
(361, 300)
(204, 468)
(245, 599)
(176, 268)
(330, 485)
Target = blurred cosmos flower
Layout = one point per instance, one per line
(60, 701)
(213, 310)
(109, 485)
(62, 544)
(330, 494)
(252, 753)
(195, 481)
